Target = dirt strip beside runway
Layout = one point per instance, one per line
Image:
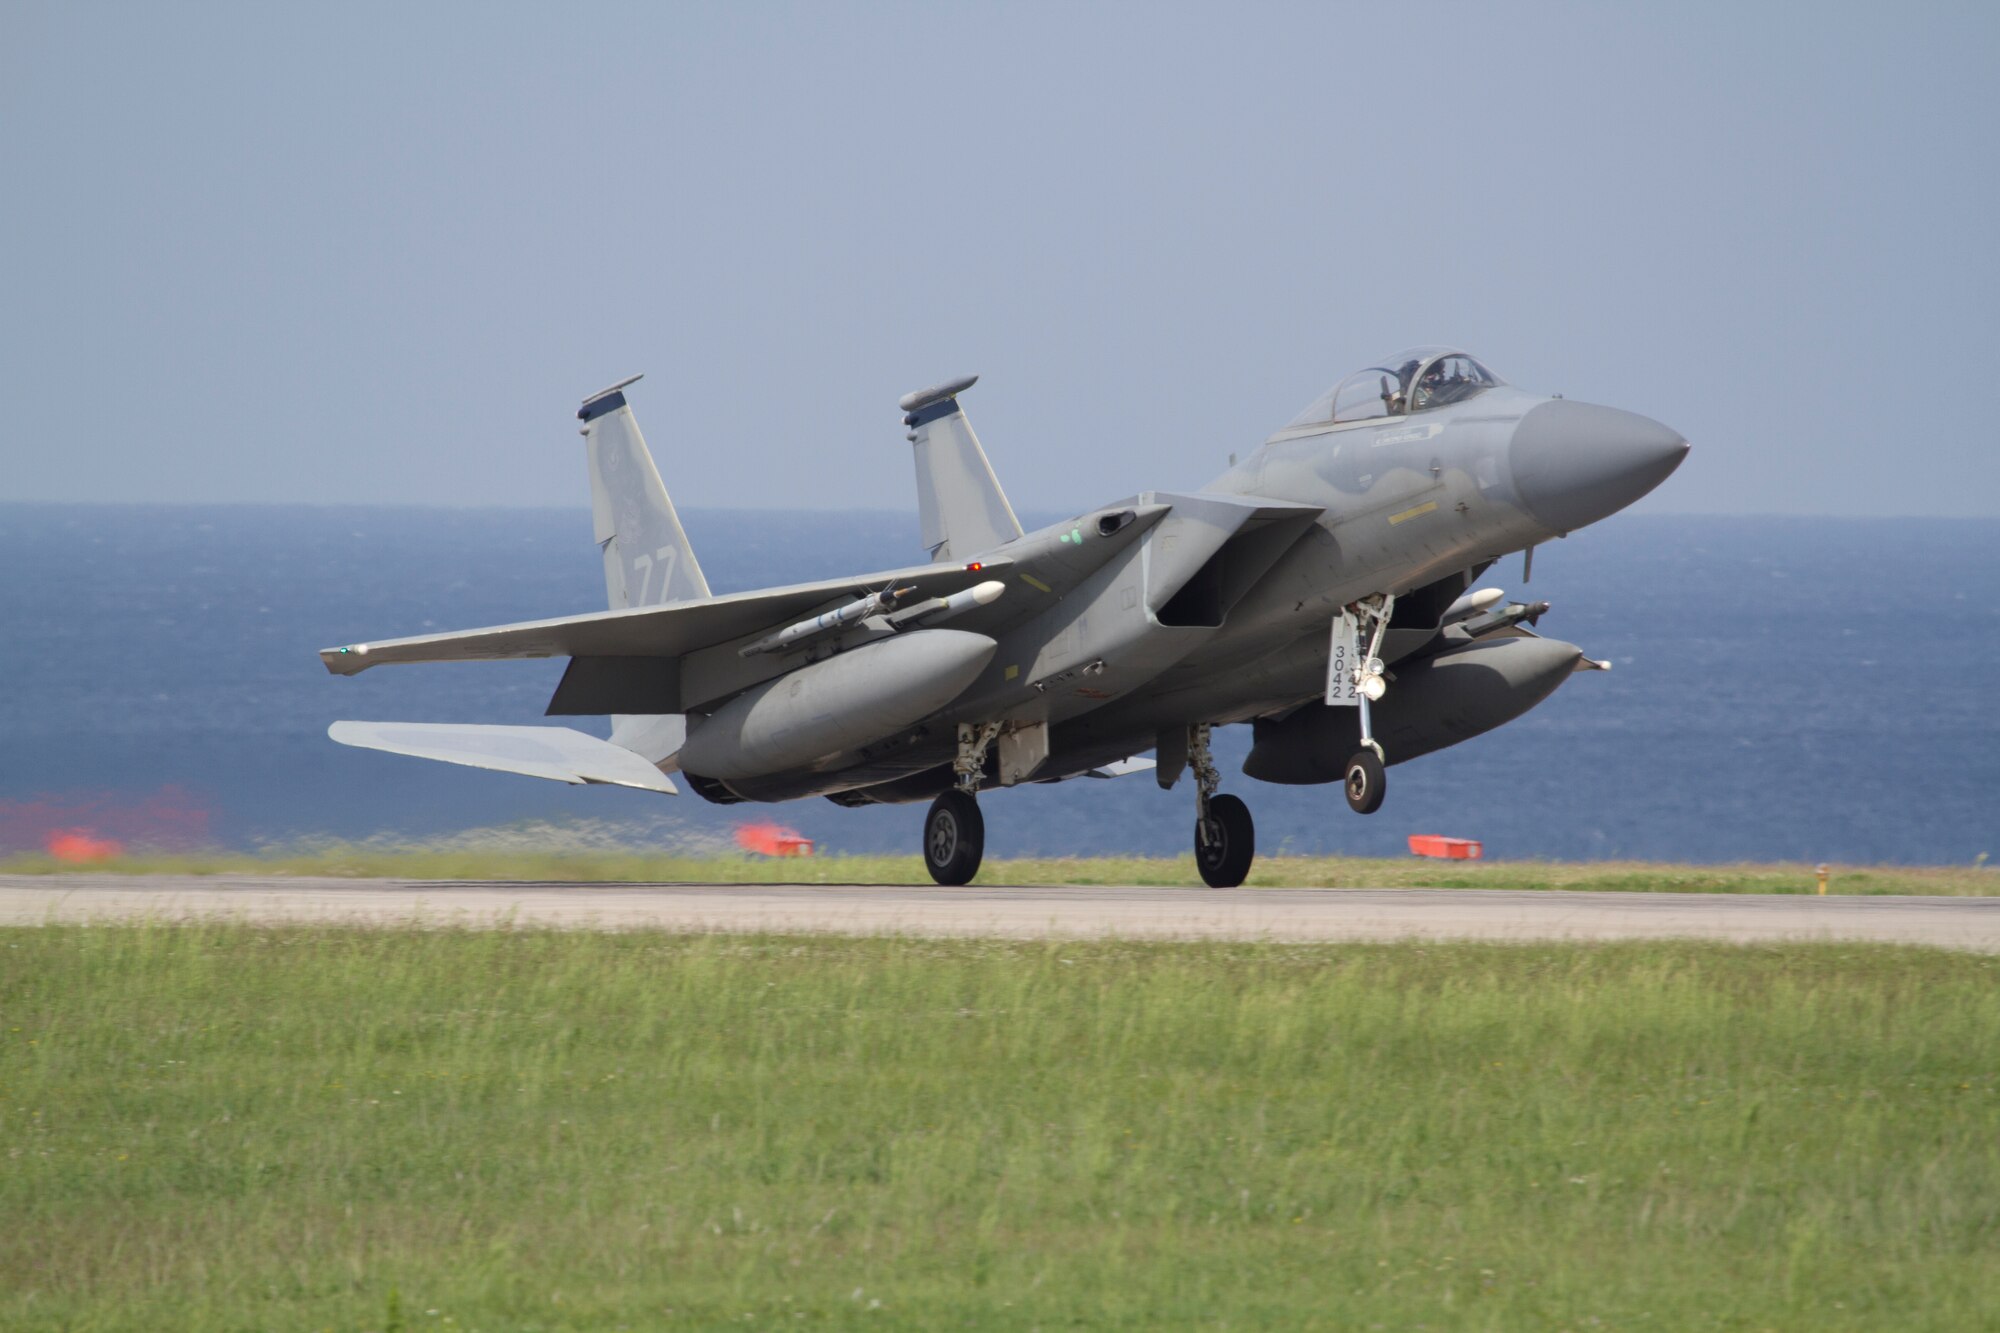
(1013, 913)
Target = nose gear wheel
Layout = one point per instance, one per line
(1365, 782)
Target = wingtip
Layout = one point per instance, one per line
(346, 660)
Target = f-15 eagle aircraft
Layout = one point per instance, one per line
(1321, 591)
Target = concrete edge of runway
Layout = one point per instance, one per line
(1006, 912)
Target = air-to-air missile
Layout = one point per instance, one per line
(819, 627)
(1470, 605)
(935, 609)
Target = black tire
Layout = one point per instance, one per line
(1366, 783)
(1225, 843)
(954, 838)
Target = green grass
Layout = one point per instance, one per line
(1269, 872)
(220, 1127)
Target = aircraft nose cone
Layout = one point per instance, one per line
(1575, 463)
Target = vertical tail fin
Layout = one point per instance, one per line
(647, 559)
(959, 500)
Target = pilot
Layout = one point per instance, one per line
(1439, 382)
(1396, 398)
(1431, 385)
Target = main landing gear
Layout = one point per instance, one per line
(1225, 838)
(955, 830)
(954, 838)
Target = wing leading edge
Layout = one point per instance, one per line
(650, 631)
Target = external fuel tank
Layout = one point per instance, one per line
(1435, 701)
(847, 700)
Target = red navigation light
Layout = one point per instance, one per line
(975, 566)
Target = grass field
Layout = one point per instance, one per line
(528, 863)
(228, 1128)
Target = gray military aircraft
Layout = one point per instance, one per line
(1320, 591)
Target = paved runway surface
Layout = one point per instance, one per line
(1019, 913)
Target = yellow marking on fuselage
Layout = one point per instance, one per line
(1427, 507)
(1034, 582)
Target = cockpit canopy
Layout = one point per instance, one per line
(1418, 380)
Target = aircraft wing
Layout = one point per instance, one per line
(562, 754)
(652, 631)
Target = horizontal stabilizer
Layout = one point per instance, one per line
(560, 754)
(1122, 768)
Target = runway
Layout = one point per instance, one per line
(1010, 913)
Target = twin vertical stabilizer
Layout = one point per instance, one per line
(959, 500)
(647, 559)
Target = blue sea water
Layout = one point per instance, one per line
(1809, 689)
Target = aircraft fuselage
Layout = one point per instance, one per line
(1204, 614)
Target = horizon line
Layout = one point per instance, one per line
(418, 505)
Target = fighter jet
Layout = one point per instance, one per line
(1321, 591)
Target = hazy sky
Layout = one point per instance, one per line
(348, 253)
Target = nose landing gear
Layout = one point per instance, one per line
(1225, 837)
(1358, 682)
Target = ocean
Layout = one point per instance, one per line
(1784, 689)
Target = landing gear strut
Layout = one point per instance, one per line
(1225, 838)
(1364, 683)
(955, 830)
